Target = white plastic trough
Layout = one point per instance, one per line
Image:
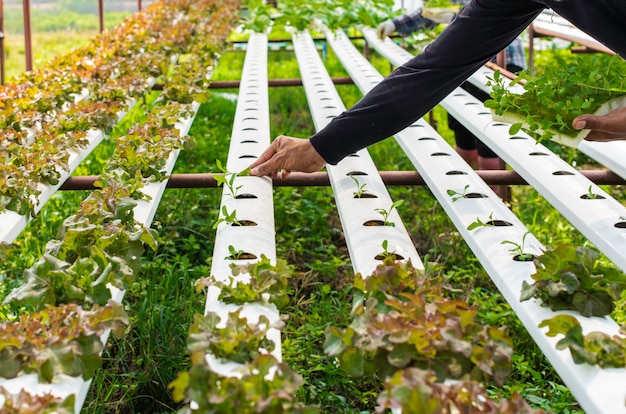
(597, 390)
(250, 137)
(364, 241)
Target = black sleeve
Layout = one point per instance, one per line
(481, 29)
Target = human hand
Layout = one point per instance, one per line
(287, 154)
(385, 29)
(609, 127)
(443, 15)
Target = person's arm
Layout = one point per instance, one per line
(481, 29)
(610, 127)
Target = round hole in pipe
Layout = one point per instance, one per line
(537, 153)
(250, 129)
(456, 172)
(382, 256)
(562, 173)
(356, 173)
(526, 257)
(475, 195)
(365, 195)
(500, 124)
(241, 256)
(517, 137)
(427, 139)
(245, 196)
(440, 154)
(498, 223)
(249, 141)
(241, 157)
(592, 197)
(244, 223)
(373, 223)
(620, 225)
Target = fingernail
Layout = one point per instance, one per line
(579, 124)
(254, 171)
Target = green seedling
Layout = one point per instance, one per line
(234, 253)
(360, 188)
(518, 248)
(387, 213)
(227, 179)
(228, 218)
(386, 252)
(455, 195)
(478, 223)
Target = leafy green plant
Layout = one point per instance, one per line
(238, 340)
(416, 390)
(574, 277)
(554, 98)
(265, 278)
(264, 385)
(387, 212)
(400, 320)
(595, 348)
(24, 403)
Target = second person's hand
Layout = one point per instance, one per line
(287, 154)
(609, 127)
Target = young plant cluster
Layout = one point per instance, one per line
(65, 306)
(555, 97)
(301, 15)
(26, 403)
(406, 331)
(261, 383)
(573, 278)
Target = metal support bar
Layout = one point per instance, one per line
(28, 42)
(233, 84)
(390, 178)
(101, 14)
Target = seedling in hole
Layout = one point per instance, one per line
(518, 248)
(227, 179)
(387, 213)
(360, 188)
(234, 254)
(229, 218)
(455, 195)
(591, 195)
(387, 253)
(479, 223)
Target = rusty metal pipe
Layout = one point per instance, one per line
(28, 40)
(390, 178)
(234, 84)
(101, 14)
(1, 42)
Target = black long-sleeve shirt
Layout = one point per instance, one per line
(481, 29)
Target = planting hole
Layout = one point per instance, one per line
(242, 256)
(427, 139)
(562, 173)
(475, 195)
(351, 173)
(456, 172)
(354, 155)
(250, 129)
(416, 126)
(592, 197)
(621, 224)
(374, 223)
(249, 141)
(366, 195)
(245, 196)
(537, 153)
(527, 257)
(498, 223)
(517, 137)
(381, 256)
(244, 223)
(439, 154)
(253, 118)
(500, 124)
(241, 157)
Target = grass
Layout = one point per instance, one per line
(138, 367)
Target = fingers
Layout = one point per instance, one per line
(609, 127)
(287, 154)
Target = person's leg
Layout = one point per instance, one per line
(464, 142)
(488, 160)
